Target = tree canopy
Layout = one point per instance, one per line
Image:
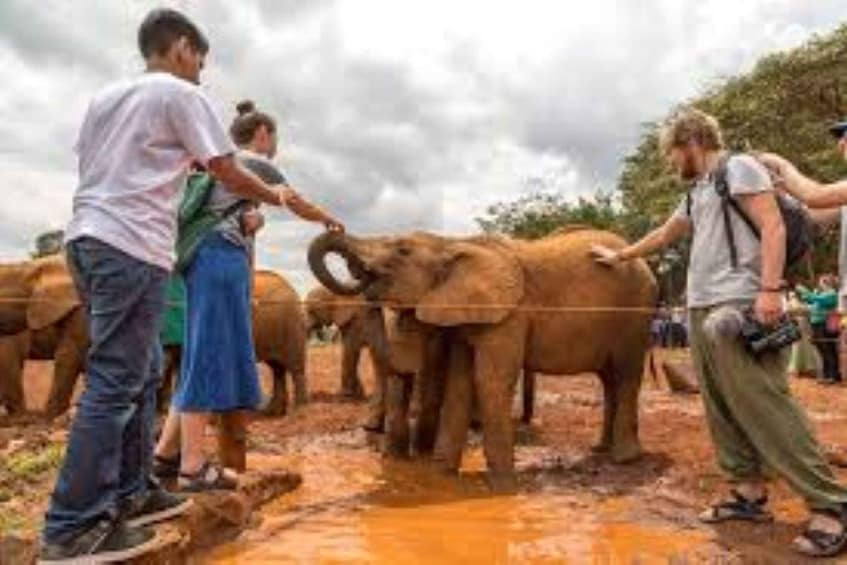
(784, 104)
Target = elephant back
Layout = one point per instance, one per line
(278, 320)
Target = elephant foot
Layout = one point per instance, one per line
(502, 482)
(375, 424)
(602, 447)
(626, 452)
(301, 399)
(275, 407)
(353, 395)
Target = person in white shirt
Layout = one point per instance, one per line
(137, 140)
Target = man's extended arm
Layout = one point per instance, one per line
(808, 191)
(672, 230)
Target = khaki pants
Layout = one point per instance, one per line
(754, 421)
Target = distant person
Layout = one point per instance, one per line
(822, 302)
(136, 142)
(805, 361)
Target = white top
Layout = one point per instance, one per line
(135, 145)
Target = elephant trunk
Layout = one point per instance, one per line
(328, 243)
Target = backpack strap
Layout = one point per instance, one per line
(728, 202)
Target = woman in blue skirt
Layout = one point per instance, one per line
(218, 373)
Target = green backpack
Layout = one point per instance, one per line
(195, 220)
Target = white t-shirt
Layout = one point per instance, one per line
(136, 143)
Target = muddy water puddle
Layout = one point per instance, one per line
(353, 507)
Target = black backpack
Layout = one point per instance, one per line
(799, 228)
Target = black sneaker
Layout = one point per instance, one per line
(106, 542)
(157, 505)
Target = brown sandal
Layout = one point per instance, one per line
(208, 477)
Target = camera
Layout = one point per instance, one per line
(759, 338)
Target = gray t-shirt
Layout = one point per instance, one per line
(222, 198)
(711, 277)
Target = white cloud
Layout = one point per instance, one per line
(397, 115)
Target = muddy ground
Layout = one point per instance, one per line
(572, 506)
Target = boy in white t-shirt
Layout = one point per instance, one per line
(136, 143)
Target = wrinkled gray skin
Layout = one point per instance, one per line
(494, 295)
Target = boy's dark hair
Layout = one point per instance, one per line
(162, 27)
(249, 119)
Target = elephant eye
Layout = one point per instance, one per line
(404, 251)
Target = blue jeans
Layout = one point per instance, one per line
(110, 447)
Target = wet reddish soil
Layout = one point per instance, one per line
(571, 507)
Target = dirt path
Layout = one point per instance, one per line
(354, 507)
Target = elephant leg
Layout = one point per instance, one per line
(351, 385)
(625, 443)
(278, 403)
(397, 397)
(301, 391)
(11, 388)
(528, 391)
(429, 392)
(494, 380)
(377, 403)
(610, 406)
(68, 364)
(456, 411)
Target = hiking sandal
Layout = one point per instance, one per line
(208, 477)
(818, 543)
(737, 508)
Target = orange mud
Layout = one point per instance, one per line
(571, 506)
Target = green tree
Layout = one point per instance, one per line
(48, 243)
(783, 105)
(538, 214)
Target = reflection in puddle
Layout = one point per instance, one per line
(353, 508)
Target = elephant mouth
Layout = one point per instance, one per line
(332, 243)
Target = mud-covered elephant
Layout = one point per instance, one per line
(408, 384)
(279, 333)
(41, 318)
(348, 314)
(542, 306)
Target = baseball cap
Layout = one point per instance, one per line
(837, 129)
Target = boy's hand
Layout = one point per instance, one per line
(604, 255)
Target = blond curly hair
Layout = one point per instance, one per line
(687, 125)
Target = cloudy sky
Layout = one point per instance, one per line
(395, 114)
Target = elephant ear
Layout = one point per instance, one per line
(53, 296)
(488, 280)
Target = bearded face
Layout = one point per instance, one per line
(687, 161)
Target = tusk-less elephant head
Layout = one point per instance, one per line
(35, 294)
(447, 281)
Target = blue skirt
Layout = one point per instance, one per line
(218, 370)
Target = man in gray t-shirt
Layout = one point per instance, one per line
(753, 419)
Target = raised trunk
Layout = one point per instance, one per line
(328, 243)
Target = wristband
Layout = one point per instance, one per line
(770, 289)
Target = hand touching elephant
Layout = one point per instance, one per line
(41, 317)
(495, 294)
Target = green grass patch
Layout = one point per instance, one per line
(26, 465)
